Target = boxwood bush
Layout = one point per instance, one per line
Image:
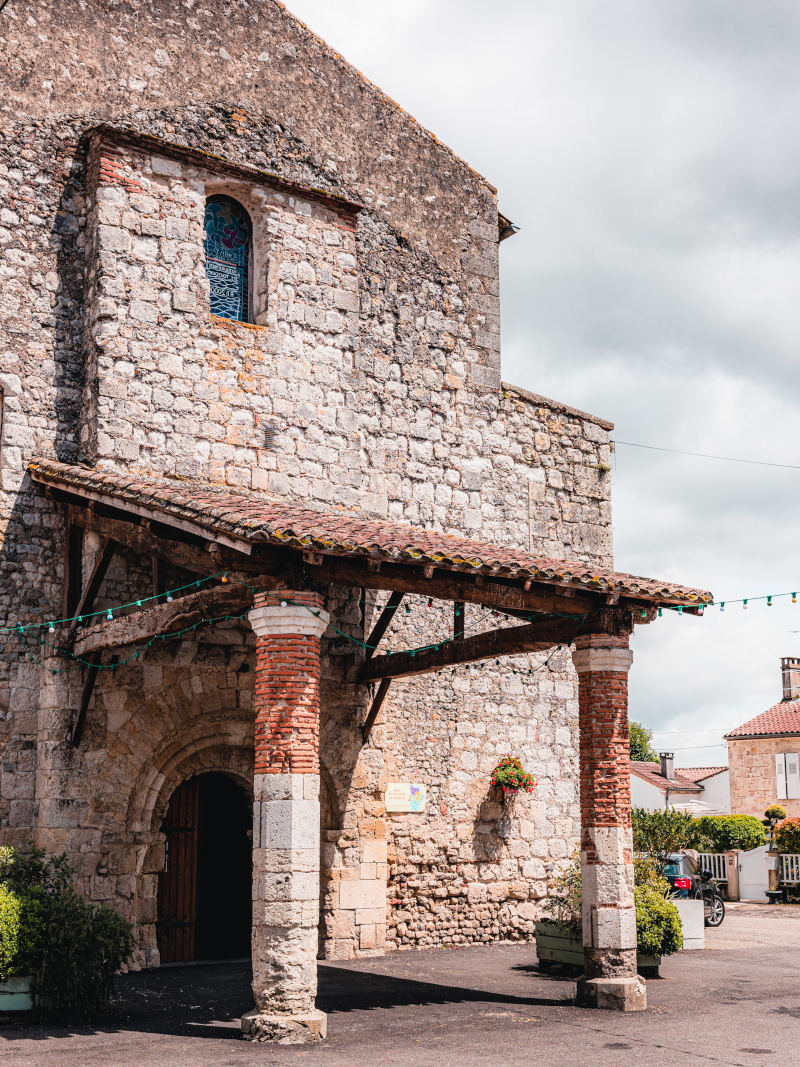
(71, 947)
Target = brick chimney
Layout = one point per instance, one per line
(667, 765)
(790, 669)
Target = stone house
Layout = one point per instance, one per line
(662, 785)
(254, 428)
(764, 753)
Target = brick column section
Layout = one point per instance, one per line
(609, 917)
(288, 625)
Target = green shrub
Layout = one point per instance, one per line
(86, 944)
(658, 833)
(22, 925)
(72, 947)
(787, 836)
(719, 833)
(658, 924)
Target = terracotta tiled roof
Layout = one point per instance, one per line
(651, 772)
(280, 522)
(782, 719)
(699, 774)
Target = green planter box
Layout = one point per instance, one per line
(16, 994)
(554, 944)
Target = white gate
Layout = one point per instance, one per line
(790, 869)
(714, 862)
(753, 876)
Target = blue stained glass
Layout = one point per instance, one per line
(227, 246)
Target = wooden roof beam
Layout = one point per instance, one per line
(509, 641)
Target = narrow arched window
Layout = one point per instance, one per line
(229, 235)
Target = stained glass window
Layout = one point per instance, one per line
(227, 245)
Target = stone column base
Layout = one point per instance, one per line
(615, 994)
(285, 1029)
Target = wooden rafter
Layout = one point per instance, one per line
(509, 641)
(459, 585)
(149, 540)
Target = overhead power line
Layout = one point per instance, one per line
(706, 455)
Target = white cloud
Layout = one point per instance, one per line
(650, 153)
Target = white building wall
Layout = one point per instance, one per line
(647, 796)
(717, 792)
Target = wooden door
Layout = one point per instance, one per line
(177, 884)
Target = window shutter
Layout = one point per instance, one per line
(792, 776)
(780, 775)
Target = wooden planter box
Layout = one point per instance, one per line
(555, 944)
(16, 994)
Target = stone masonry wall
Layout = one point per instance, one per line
(752, 774)
(374, 367)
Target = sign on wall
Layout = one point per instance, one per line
(405, 796)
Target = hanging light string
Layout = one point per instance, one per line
(24, 631)
(110, 612)
(80, 663)
(723, 604)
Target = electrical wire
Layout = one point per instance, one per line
(706, 455)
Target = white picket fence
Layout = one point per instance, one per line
(790, 869)
(714, 862)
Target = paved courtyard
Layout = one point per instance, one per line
(736, 1003)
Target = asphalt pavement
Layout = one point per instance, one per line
(737, 1002)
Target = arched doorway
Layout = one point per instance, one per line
(205, 888)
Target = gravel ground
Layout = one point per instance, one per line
(737, 1002)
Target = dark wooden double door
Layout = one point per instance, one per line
(205, 889)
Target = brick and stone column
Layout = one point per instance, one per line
(288, 627)
(609, 917)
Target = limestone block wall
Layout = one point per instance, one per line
(752, 774)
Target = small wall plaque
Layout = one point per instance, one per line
(405, 796)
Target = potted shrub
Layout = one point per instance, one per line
(658, 925)
(510, 776)
(61, 948)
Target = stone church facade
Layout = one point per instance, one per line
(352, 377)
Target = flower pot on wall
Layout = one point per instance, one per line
(17, 994)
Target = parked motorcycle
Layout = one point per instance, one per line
(688, 881)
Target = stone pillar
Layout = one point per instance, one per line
(286, 817)
(610, 979)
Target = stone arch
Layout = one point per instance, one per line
(197, 720)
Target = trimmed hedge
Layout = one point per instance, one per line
(719, 833)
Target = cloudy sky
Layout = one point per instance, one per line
(650, 153)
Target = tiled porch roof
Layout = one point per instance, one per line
(260, 519)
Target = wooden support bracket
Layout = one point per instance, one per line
(377, 703)
(92, 587)
(382, 625)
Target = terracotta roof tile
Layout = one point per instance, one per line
(651, 772)
(342, 533)
(699, 774)
(782, 718)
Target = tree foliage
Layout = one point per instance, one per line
(658, 833)
(639, 738)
